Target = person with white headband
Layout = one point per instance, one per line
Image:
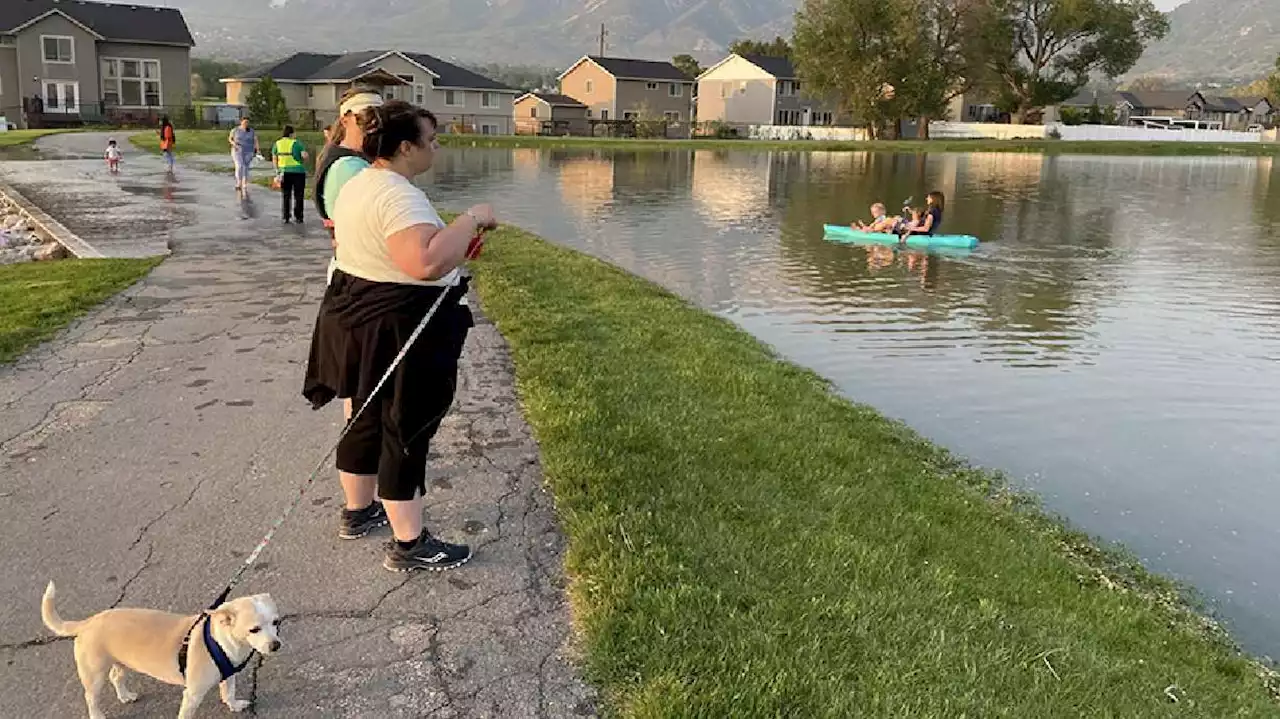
(340, 161)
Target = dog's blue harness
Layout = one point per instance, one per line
(220, 658)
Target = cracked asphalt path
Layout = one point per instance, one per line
(146, 450)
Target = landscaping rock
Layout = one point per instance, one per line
(50, 251)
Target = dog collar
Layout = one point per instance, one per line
(220, 658)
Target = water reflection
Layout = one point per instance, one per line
(1114, 343)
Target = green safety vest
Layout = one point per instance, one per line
(285, 161)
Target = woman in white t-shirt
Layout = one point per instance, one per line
(395, 256)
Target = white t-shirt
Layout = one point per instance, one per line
(374, 205)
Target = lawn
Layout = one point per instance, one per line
(22, 137)
(743, 542)
(40, 298)
(215, 141)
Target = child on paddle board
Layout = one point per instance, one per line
(880, 220)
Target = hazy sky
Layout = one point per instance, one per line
(1167, 5)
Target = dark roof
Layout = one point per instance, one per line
(1215, 103)
(779, 67)
(640, 69)
(117, 22)
(1251, 101)
(453, 76)
(1086, 98)
(307, 66)
(295, 67)
(1156, 100)
(552, 98)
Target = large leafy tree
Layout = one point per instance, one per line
(890, 59)
(778, 47)
(687, 64)
(1041, 52)
(266, 104)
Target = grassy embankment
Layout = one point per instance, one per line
(743, 542)
(215, 141)
(40, 298)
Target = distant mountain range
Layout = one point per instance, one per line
(542, 32)
(1216, 40)
(1209, 40)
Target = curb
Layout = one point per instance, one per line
(46, 225)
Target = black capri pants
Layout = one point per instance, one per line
(392, 437)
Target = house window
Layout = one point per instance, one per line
(604, 114)
(651, 85)
(788, 117)
(724, 90)
(488, 129)
(311, 90)
(420, 95)
(61, 96)
(590, 86)
(59, 49)
(407, 77)
(628, 116)
(675, 89)
(131, 83)
(533, 112)
(453, 98)
(671, 116)
(8, 40)
(488, 99)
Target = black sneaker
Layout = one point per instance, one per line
(428, 553)
(358, 523)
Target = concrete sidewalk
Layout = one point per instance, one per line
(148, 448)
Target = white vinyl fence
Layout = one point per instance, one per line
(1143, 134)
(807, 132)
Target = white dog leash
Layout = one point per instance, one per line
(253, 556)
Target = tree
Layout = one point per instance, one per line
(890, 59)
(211, 73)
(778, 47)
(687, 64)
(852, 50)
(1042, 52)
(1273, 83)
(1147, 83)
(266, 104)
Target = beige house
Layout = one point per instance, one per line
(759, 90)
(64, 63)
(546, 113)
(614, 88)
(312, 83)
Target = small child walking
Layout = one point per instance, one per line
(113, 155)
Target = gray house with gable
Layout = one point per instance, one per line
(64, 62)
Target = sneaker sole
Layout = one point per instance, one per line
(386, 564)
(351, 535)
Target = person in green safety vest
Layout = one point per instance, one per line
(290, 158)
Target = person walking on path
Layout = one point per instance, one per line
(290, 156)
(244, 145)
(395, 259)
(168, 141)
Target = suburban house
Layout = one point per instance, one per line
(758, 90)
(614, 88)
(63, 63)
(1179, 107)
(548, 113)
(312, 83)
(1235, 113)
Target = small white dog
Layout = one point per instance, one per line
(194, 652)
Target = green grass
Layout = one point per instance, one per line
(211, 142)
(215, 141)
(40, 298)
(743, 542)
(14, 138)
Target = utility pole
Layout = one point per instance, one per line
(603, 34)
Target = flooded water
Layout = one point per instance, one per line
(1114, 345)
